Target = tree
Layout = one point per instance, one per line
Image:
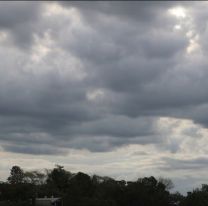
(16, 175)
(34, 177)
(197, 197)
(58, 177)
(167, 182)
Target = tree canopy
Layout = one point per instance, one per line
(80, 189)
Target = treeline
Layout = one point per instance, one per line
(79, 189)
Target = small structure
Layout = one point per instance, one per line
(52, 201)
(175, 203)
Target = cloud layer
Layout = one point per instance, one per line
(102, 76)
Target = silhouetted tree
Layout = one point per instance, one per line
(80, 189)
(34, 177)
(16, 175)
(198, 197)
(58, 178)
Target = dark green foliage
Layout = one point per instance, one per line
(58, 178)
(34, 177)
(82, 190)
(16, 175)
(197, 197)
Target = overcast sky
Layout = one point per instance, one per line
(113, 88)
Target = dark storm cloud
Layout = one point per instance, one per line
(35, 149)
(142, 11)
(134, 69)
(117, 126)
(13, 13)
(19, 19)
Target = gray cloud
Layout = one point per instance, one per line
(190, 164)
(35, 149)
(98, 78)
(19, 19)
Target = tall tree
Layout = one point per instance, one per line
(58, 177)
(16, 175)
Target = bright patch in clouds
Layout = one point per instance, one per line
(3, 36)
(95, 95)
(178, 12)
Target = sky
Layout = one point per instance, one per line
(109, 88)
